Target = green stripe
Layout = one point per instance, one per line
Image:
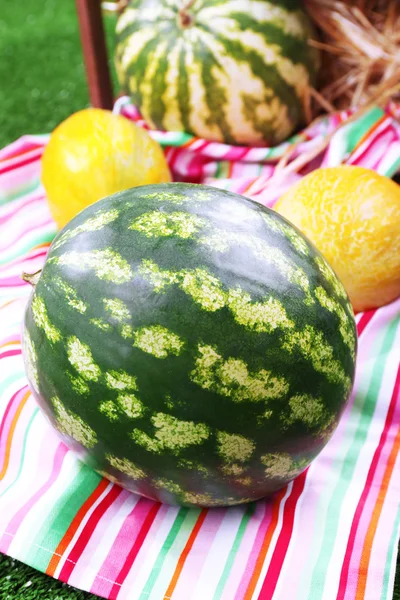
(350, 460)
(162, 555)
(21, 462)
(183, 91)
(19, 192)
(215, 94)
(350, 134)
(233, 551)
(267, 73)
(162, 577)
(61, 516)
(291, 47)
(390, 563)
(137, 69)
(159, 85)
(171, 138)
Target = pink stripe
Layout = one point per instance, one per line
(32, 227)
(8, 353)
(363, 320)
(125, 540)
(17, 183)
(12, 282)
(282, 543)
(135, 550)
(19, 262)
(20, 161)
(237, 153)
(370, 140)
(18, 518)
(20, 146)
(373, 154)
(9, 209)
(29, 203)
(163, 521)
(255, 551)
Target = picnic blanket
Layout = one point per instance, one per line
(331, 533)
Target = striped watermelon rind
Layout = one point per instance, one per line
(234, 71)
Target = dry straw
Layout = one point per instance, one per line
(360, 45)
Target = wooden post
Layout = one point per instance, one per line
(95, 53)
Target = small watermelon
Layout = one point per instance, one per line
(226, 70)
(190, 344)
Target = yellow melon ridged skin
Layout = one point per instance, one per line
(352, 215)
(93, 154)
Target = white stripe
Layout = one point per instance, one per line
(217, 555)
(133, 46)
(14, 366)
(199, 113)
(30, 238)
(39, 513)
(36, 467)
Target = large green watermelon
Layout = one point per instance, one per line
(196, 346)
(236, 71)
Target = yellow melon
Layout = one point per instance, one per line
(352, 215)
(94, 153)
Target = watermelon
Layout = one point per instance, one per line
(234, 71)
(189, 344)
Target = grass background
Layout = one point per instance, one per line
(42, 82)
(42, 76)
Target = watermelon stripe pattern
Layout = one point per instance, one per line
(135, 549)
(246, 399)
(236, 72)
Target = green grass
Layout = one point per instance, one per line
(42, 82)
(19, 582)
(41, 67)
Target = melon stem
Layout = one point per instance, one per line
(32, 278)
(185, 18)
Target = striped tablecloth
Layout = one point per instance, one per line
(332, 533)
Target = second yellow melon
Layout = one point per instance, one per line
(352, 215)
